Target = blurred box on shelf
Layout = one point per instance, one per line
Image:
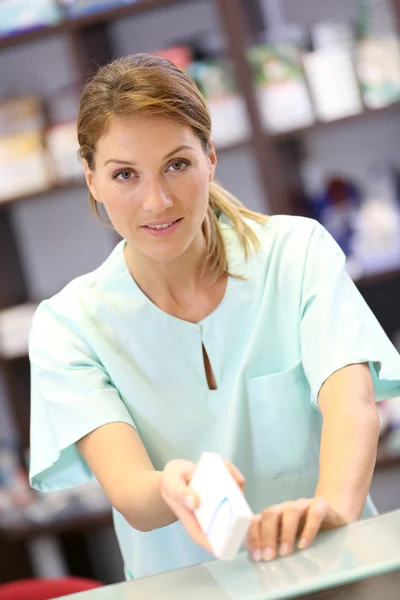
(282, 92)
(378, 53)
(375, 244)
(62, 145)
(15, 491)
(17, 16)
(330, 71)
(79, 8)
(378, 68)
(21, 114)
(15, 325)
(389, 416)
(363, 219)
(215, 79)
(181, 56)
(24, 167)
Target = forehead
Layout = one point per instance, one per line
(145, 133)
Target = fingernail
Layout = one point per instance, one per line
(268, 554)
(283, 549)
(190, 502)
(257, 518)
(256, 555)
(302, 543)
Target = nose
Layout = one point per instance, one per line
(155, 201)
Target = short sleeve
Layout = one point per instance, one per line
(71, 395)
(337, 327)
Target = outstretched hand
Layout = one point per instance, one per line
(182, 500)
(279, 528)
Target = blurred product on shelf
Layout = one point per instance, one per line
(62, 145)
(389, 415)
(282, 92)
(378, 66)
(17, 16)
(33, 158)
(365, 222)
(78, 8)
(21, 507)
(215, 78)
(24, 166)
(15, 324)
(21, 114)
(181, 56)
(376, 240)
(15, 491)
(330, 71)
(378, 54)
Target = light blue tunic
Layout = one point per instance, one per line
(101, 351)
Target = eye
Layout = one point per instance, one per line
(179, 165)
(123, 174)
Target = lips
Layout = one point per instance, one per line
(162, 229)
(161, 225)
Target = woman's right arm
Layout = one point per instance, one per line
(118, 459)
(148, 499)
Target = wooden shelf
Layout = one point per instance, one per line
(73, 25)
(17, 532)
(386, 460)
(242, 144)
(80, 184)
(51, 191)
(33, 34)
(378, 279)
(319, 125)
(113, 14)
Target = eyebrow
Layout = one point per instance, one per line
(127, 162)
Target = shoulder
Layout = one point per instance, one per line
(81, 296)
(286, 244)
(287, 229)
(288, 237)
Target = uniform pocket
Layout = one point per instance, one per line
(285, 427)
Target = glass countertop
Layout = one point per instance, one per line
(353, 553)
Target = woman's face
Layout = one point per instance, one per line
(152, 175)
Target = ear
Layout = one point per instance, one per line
(212, 159)
(89, 176)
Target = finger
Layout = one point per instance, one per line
(236, 474)
(270, 524)
(253, 538)
(174, 485)
(315, 516)
(290, 522)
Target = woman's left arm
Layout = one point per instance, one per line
(349, 439)
(347, 459)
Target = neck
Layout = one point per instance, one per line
(169, 279)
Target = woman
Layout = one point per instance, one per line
(209, 327)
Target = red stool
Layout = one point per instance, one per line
(45, 589)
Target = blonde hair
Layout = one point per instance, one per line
(151, 85)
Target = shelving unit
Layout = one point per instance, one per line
(392, 109)
(74, 25)
(19, 532)
(91, 43)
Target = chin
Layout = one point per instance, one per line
(165, 252)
